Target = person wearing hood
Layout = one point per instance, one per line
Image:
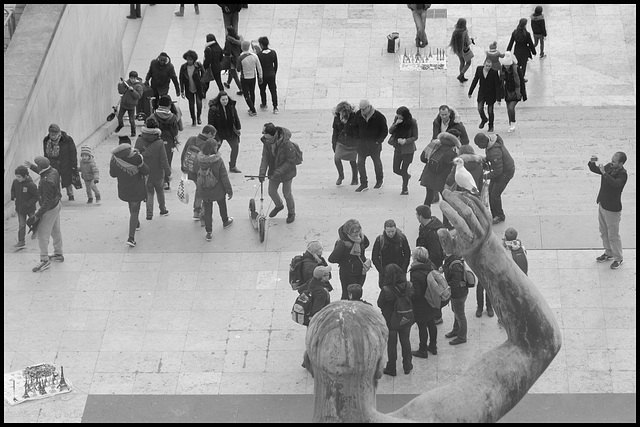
(372, 131)
(213, 184)
(391, 247)
(428, 234)
(524, 47)
(513, 86)
(438, 166)
(25, 193)
(278, 164)
(501, 169)
(320, 287)
(161, 73)
(212, 59)
(311, 259)
(191, 85)
(396, 285)
(62, 153)
(208, 134)
(169, 128)
(424, 315)
(90, 174)
(518, 252)
(473, 162)
(151, 146)
(446, 120)
(130, 169)
(131, 92)
(349, 253)
(224, 117)
(47, 218)
(489, 92)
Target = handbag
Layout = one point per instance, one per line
(512, 95)
(467, 54)
(207, 76)
(76, 180)
(225, 64)
(181, 192)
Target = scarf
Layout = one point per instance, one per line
(356, 238)
(52, 149)
(127, 167)
(513, 245)
(152, 131)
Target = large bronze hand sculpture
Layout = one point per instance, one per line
(346, 340)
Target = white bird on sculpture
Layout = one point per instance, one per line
(463, 178)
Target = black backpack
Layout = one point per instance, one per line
(402, 315)
(295, 272)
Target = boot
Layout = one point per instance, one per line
(422, 353)
(180, 12)
(339, 180)
(433, 348)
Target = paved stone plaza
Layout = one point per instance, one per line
(182, 317)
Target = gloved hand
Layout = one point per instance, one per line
(95, 181)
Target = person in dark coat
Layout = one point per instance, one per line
(344, 140)
(230, 14)
(473, 162)
(191, 85)
(396, 284)
(25, 192)
(391, 247)
(128, 166)
(311, 259)
(269, 62)
(513, 87)
(320, 287)
(208, 134)
(428, 234)
(224, 117)
(539, 29)
(435, 175)
(524, 47)
(61, 151)
(459, 291)
(446, 120)
(424, 315)
(404, 133)
(349, 254)
(131, 92)
(169, 125)
(233, 49)
(372, 131)
(212, 58)
(161, 73)
(489, 92)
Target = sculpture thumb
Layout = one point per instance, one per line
(446, 240)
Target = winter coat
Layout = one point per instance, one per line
(612, 183)
(428, 238)
(345, 133)
(232, 48)
(349, 264)
(130, 172)
(393, 250)
(196, 76)
(474, 164)
(131, 94)
(500, 160)
(309, 263)
(490, 89)
(161, 75)
(48, 190)
(455, 277)
(409, 147)
(319, 294)
(63, 156)
(26, 195)
(538, 26)
(422, 311)
(372, 132)
(216, 164)
(388, 296)
(213, 56)
(512, 80)
(227, 124)
(454, 123)
(436, 181)
(168, 125)
(524, 46)
(199, 142)
(494, 55)
(88, 169)
(152, 149)
(278, 159)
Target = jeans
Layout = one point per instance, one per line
(22, 226)
(249, 91)
(460, 322)
(49, 227)
(496, 187)
(401, 164)
(91, 188)
(420, 18)
(609, 223)
(234, 144)
(134, 218)
(392, 348)
(346, 279)
(426, 329)
(197, 201)
(489, 110)
(155, 187)
(480, 297)
(374, 152)
(208, 212)
(286, 191)
(131, 112)
(271, 82)
(194, 98)
(539, 38)
(511, 110)
(354, 168)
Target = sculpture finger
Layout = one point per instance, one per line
(453, 215)
(481, 212)
(446, 239)
(465, 206)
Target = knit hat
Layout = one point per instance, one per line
(165, 101)
(320, 271)
(86, 150)
(122, 150)
(424, 211)
(493, 45)
(467, 149)
(481, 140)
(510, 234)
(151, 123)
(124, 139)
(449, 139)
(314, 247)
(42, 162)
(54, 128)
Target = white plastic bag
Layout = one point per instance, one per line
(182, 192)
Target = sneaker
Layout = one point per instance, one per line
(339, 180)
(56, 257)
(490, 312)
(235, 170)
(228, 223)
(354, 181)
(208, 237)
(378, 184)
(164, 213)
(19, 245)
(408, 370)
(292, 217)
(482, 123)
(479, 312)
(71, 198)
(97, 199)
(199, 121)
(439, 321)
(263, 106)
(89, 201)
(451, 334)
(616, 264)
(512, 127)
(490, 129)
(389, 372)
(604, 257)
(433, 349)
(420, 353)
(457, 341)
(542, 55)
(131, 242)
(138, 226)
(404, 193)
(196, 216)
(149, 217)
(497, 220)
(179, 13)
(275, 211)
(227, 85)
(252, 114)
(275, 110)
(363, 187)
(166, 187)
(118, 128)
(43, 265)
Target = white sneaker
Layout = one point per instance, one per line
(512, 127)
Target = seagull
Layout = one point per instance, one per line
(463, 178)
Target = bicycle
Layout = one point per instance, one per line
(258, 218)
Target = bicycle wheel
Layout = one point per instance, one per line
(262, 225)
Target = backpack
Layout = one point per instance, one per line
(437, 288)
(295, 271)
(189, 161)
(298, 151)
(206, 178)
(470, 278)
(520, 257)
(402, 310)
(435, 163)
(302, 308)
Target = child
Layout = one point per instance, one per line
(25, 192)
(539, 29)
(213, 184)
(493, 54)
(354, 291)
(89, 173)
(518, 252)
